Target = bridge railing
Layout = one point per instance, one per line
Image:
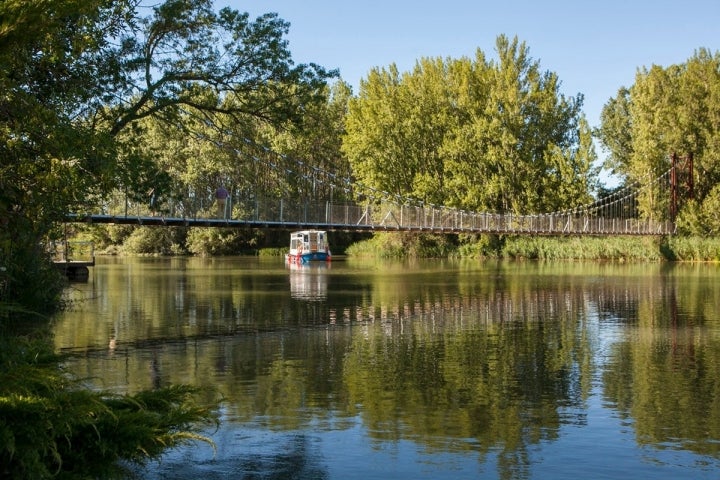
(380, 216)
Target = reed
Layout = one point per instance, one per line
(582, 248)
(620, 249)
(692, 249)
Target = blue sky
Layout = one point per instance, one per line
(595, 47)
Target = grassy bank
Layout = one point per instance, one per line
(622, 249)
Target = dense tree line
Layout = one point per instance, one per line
(467, 133)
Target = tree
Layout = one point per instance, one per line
(374, 142)
(473, 134)
(615, 133)
(314, 160)
(525, 142)
(78, 77)
(185, 46)
(674, 109)
(48, 159)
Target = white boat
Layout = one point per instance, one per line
(308, 246)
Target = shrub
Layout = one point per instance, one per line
(156, 241)
(51, 427)
(272, 252)
(28, 278)
(381, 245)
(215, 241)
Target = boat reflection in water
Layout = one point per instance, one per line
(309, 281)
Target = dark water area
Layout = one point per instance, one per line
(432, 369)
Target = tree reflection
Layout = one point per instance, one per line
(667, 376)
(488, 359)
(498, 382)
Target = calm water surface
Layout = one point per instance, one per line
(416, 370)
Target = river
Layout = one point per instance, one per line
(410, 370)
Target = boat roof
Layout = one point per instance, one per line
(302, 232)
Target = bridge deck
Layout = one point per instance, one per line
(566, 224)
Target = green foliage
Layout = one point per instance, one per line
(403, 245)
(479, 246)
(382, 245)
(395, 129)
(669, 110)
(615, 132)
(107, 237)
(317, 142)
(701, 219)
(635, 249)
(432, 246)
(200, 57)
(473, 134)
(80, 78)
(621, 249)
(156, 241)
(272, 252)
(711, 211)
(50, 427)
(28, 279)
(693, 248)
(49, 162)
(582, 248)
(218, 241)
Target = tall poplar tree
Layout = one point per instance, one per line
(474, 134)
(674, 109)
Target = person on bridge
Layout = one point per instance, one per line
(221, 195)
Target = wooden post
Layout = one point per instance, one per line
(673, 187)
(690, 180)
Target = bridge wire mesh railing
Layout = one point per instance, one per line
(614, 214)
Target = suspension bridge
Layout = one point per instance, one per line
(616, 214)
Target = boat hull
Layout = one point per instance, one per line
(307, 257)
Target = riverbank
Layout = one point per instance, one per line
(653, 249)
(395, 245)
